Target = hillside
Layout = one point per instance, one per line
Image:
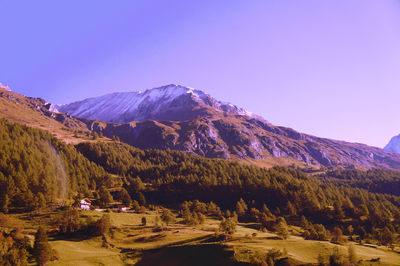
(176, 177)
(214, 130)
(37, 169)
(180, 118)
(38, 113)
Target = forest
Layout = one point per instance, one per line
(374, 180)
(37, 170)
(176, 177)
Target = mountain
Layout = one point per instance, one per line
(171, 102)
(4, 87)
(394, 144)
(180, 118)
(38, 113)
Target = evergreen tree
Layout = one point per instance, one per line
(125, 198)
(228, 226)
(142, 199)
(282, 228)
(387, 238)
(41, 247)
(167, 216)
(105, 197)
(337, 235)
(103, 225)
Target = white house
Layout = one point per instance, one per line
(121, 208)
(85, 204)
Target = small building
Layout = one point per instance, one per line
(85, 204)
(121, 208)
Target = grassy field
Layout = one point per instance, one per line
(85, 252)
(131, 243)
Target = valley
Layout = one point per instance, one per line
(206, 191)
(199, 133)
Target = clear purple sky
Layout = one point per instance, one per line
(329, 68)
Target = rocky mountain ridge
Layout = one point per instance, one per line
(214, 132)
(171, 102)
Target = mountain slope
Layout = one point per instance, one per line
(36, 168)
(199, 124)
(171, 102)
(244, 137)
(38, 113)
(180, 118)
(394, 144)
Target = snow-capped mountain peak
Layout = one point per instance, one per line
(170, 102)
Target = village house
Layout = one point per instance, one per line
(85, 204)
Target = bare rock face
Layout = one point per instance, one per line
(394, 144)
(51, 107)
(242, 137)
(4, 87)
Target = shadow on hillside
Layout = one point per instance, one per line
(196, 255)
(254, 226)
(76, 237)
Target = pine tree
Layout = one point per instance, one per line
(337, 235)
(41, 247)
(387, 238)
(125, 198)
(167, 216)
(240, 210)
(103, 225)
(291, 211)
(105, 197)
(142, 199)
(228, 226)
(282, 228)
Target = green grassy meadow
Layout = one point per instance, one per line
(131, 243)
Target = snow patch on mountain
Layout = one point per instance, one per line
(163, 103)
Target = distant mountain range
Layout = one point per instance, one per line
(181, 118)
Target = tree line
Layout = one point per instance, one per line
(37, 169)
(175, 177)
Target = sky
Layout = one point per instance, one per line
(328, 68)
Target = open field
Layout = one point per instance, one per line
(131, 243)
